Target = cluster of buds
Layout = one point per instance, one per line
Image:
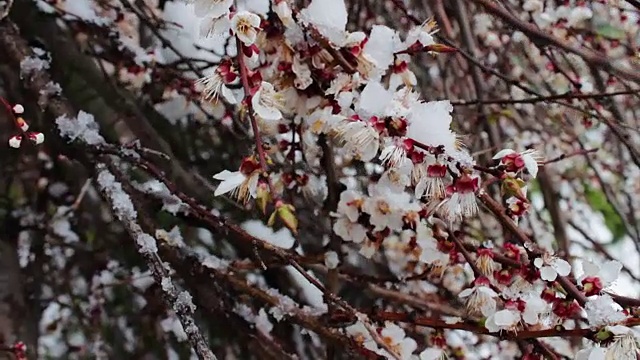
(16, 140)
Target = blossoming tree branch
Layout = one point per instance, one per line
(323, 179)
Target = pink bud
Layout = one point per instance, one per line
(18, 109)
(36, 137)
(22, 124)
(15, 141)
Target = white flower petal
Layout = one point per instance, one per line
(590, 269)
(506, 318)
(610, 271)
(562, 267)
(230, 181)
(215, 8)
(227, 94)
(547, 273)
(466, 292)
(531, 165)
(431, 354)
(502, 153)
(538, 262)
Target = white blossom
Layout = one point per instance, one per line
(550, 267)
(267, 103)
(239, 184)
(244, 25)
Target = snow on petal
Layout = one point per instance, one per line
(329, 17)
(429, 123)
(610, 271)
(374, 99)
(213, 8)
(381, 46)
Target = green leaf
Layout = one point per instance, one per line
(598, 201)
(610, 32)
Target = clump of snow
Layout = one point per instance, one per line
(83, 127)
(263, 324)
(281, 238)
(430, 124)
(172, 238)
(82, 9)
(31, 64)
(331, 259)
(51, 89)
(170, 203)
(277, 313)
(172, 324)
(185, 301)
(147, 244)
(24, 248)
(62, 228)
(215, 263)
(122, 205)
(382, 44)
(603, 311)
(329, 17)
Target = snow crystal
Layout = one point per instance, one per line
(83, 10)
(83, 127)
(281, 238)
(277, 313)
(167, 285)
(170, 203)
(121, 201)
(603, 311)
(31, 64)
(172, 324)
(51, 88)
(329, 17)
(61, 227)
(141, 280)
(245, 312)
(58, 189)
(172, 238)
(374, 99)
(215, 262)
(24, 248)
(147, 243)
(429, 123)
(331, 259)
(262, 322)
(185, 300)
(382, 45)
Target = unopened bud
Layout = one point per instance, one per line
(440, 48)
(286, 213)
(15, 141)
(36, 137)
(22, 124)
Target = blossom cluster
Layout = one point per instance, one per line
(399, 216)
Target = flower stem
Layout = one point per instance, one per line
(244, 77)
